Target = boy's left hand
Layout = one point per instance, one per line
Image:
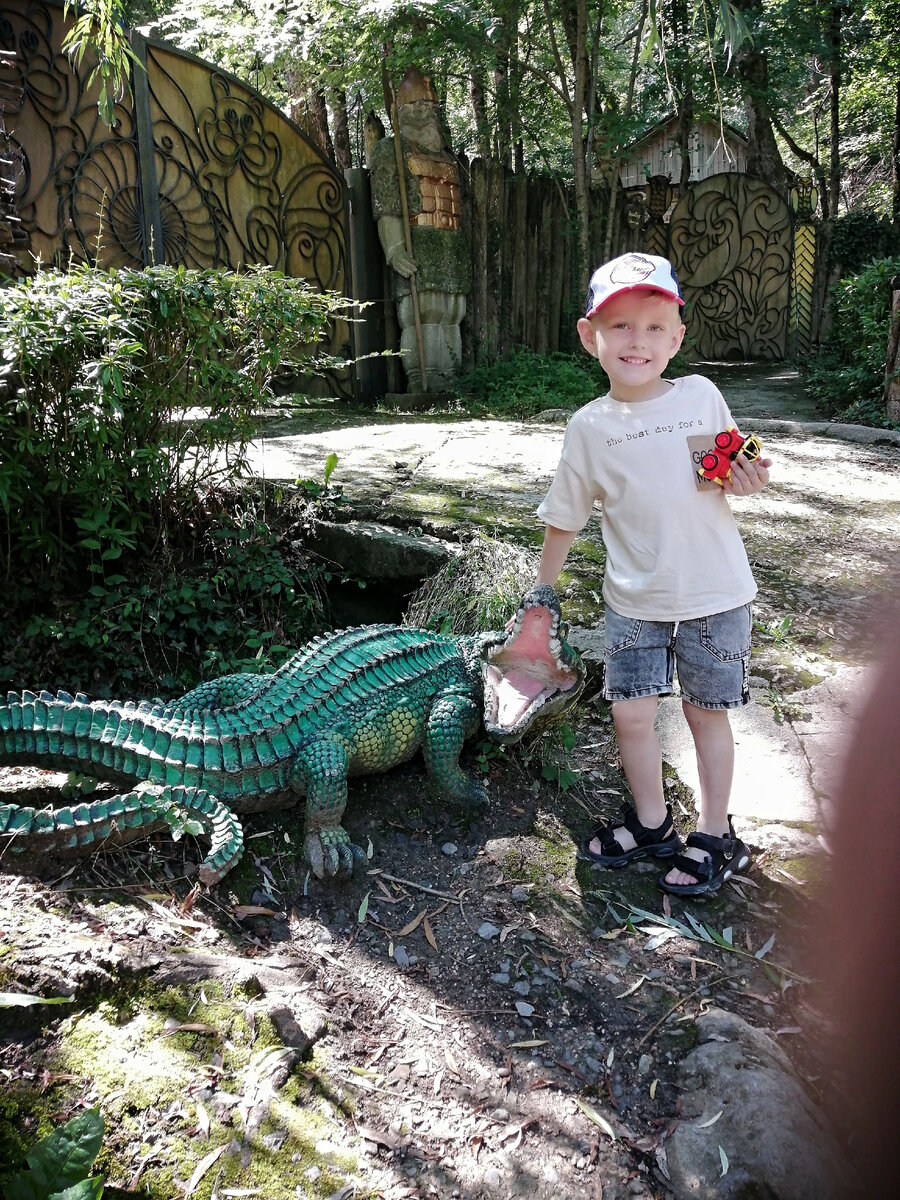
(747, 478)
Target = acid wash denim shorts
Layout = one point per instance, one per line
(710, 654)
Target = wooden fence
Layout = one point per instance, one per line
(525, 289)
(746, 259)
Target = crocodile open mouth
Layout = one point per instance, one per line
(533, 674)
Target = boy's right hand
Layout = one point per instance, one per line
(747, 478)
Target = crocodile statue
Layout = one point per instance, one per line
(353, 702)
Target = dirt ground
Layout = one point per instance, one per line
(478, 1014)
(482, 1013)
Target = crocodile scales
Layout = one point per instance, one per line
(354, 702)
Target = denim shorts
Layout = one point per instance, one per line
(711, 655)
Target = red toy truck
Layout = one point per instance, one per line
(716, 464)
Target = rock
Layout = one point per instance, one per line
(492, 1179)
(297, 1027)
(785, 840)
(777, 1142)
(374, 551)
(449, 848)
(487, 931)
(552, 416)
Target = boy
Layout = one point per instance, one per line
(678, 585)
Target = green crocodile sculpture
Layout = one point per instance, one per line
(354, 702)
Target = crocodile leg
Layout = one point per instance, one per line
(122, 819)
(321, 771)
(454, 716)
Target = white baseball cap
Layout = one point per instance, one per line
(630, 273)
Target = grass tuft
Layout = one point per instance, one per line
(479, 590)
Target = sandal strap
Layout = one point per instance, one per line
(722, 847)
(628, 819)
(718, 850)
(641, 833)
(699, 869)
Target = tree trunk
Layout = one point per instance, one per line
(892, 364)
(343, 153)
(763, 156)
(895, 165)
(580, 178)
(834, 174)
(683, 84)
(515, 91)
(479, 113)
(311, 114)
(503, 139)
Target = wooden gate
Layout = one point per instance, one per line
(730, 240)
(198, 168)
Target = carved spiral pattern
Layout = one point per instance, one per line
(39, 70)
(233, 134)
(731, 244)
(190, 222)
(105, 222)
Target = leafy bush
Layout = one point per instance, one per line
(129, 391)
(59, 1166)
(860, 237)
(231, 593)
(527, 383)
(130, 399)
(847, 377)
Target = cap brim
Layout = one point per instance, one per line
(634, 287)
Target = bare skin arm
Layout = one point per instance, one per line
(557, 543)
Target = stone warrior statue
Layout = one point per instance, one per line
(440, 255)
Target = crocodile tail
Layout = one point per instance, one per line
(34, 833)
(72, 732)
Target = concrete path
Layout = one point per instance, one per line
(439, 472)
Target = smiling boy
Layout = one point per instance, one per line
(678, 586)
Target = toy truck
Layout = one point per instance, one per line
(715, 464)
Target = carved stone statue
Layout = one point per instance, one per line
(440, 254)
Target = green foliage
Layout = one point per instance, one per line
(127, 402)
(862, 236)
(527, 383)
(98, 32)
(556, 746)
(228, 593)
(60, 1164)
(128, 392)
(847, 378)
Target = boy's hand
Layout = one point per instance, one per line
(747, 478)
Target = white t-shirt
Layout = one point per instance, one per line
(673, 550)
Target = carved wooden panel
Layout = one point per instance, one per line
(198, 169)
(730, 241)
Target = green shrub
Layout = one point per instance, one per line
(230, 594)
(127, 402)
(847, 377)
(59, 1166)
(860, 237)
(527, 383)
(127, 392)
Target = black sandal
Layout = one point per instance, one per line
(648, 841)
(726, 855)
